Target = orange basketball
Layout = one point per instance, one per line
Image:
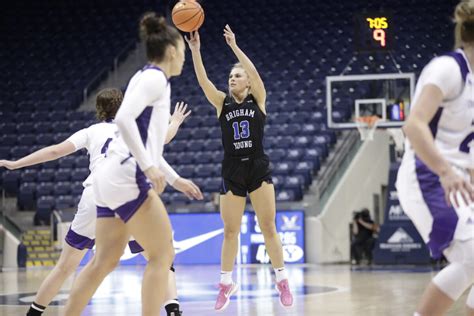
(188, 15)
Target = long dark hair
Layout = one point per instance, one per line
(157, 35)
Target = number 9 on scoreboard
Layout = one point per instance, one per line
(373, 32)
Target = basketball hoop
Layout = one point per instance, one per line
(366, 126)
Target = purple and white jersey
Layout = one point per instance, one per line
(419, 189)
(453, 124)
(95, 138)
(145, 114)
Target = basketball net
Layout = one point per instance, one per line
(366, 125)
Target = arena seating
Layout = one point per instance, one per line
(52, 56)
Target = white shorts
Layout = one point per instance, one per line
(423, 200)
(81, 233)
(120, 187)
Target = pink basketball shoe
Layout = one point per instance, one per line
(225, 292)
(286, 298)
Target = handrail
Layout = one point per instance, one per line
(54, 215)
(338, 165)
(10, 225)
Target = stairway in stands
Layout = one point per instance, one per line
(41, 251)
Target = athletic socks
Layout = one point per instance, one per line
(35, 310)
(226, 277)
(172, 308)
(281, 274)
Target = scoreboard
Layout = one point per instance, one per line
(373, 32)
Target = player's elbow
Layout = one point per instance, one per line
(410, 127)
(121, 121)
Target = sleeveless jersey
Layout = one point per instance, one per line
(242, 127)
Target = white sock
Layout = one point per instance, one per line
(226, 277)
(416, 314)
(281, 274)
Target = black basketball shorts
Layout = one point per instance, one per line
(242, 175)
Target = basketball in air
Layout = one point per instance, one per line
(188, 15)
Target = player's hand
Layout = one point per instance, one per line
(180, 113)
(229, 36)
(194, 42)
(453, 184)
(157, 178)
(188, 187)
(10, 165)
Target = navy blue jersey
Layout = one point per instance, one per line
(242, 126)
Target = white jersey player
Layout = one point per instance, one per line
(126, 203)
(435, 184)
(80, 237)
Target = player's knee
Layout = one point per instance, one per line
(162, 256)
(231, 231)
(66, 267)
(104, 264)
(268, 228)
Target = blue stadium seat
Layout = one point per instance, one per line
(184, 134)
(4, 152)
(177, 146)
(62, 127)
(62, 175)
(9, 139)
(7, 128)
(284, 142)
(45, 139)
(306, 169)
(62, 188)
(186, 171)
(81, 162)
(179, 198)
(77, 188)
(285, 196)
(11, 181)
(26, 196)
(283, 168)
(199, 133)
(195, 145)
(40, 116)
(171, 157)
(28, 175)
(203, 157)
(79, 174)
(76, 126)
(67, 162)
(26, 139)
(295, 154)
(193, 121)
(186, 158)
(212, 185)
(44, 207)
(296, 185)
(25, 127)
(44, 189)
(17, 152)
(65, 202)
(60, 137)
(302, 142)
(213, 145)
(278, 181)
(205, 171)
(276, 154)
(43, 127)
